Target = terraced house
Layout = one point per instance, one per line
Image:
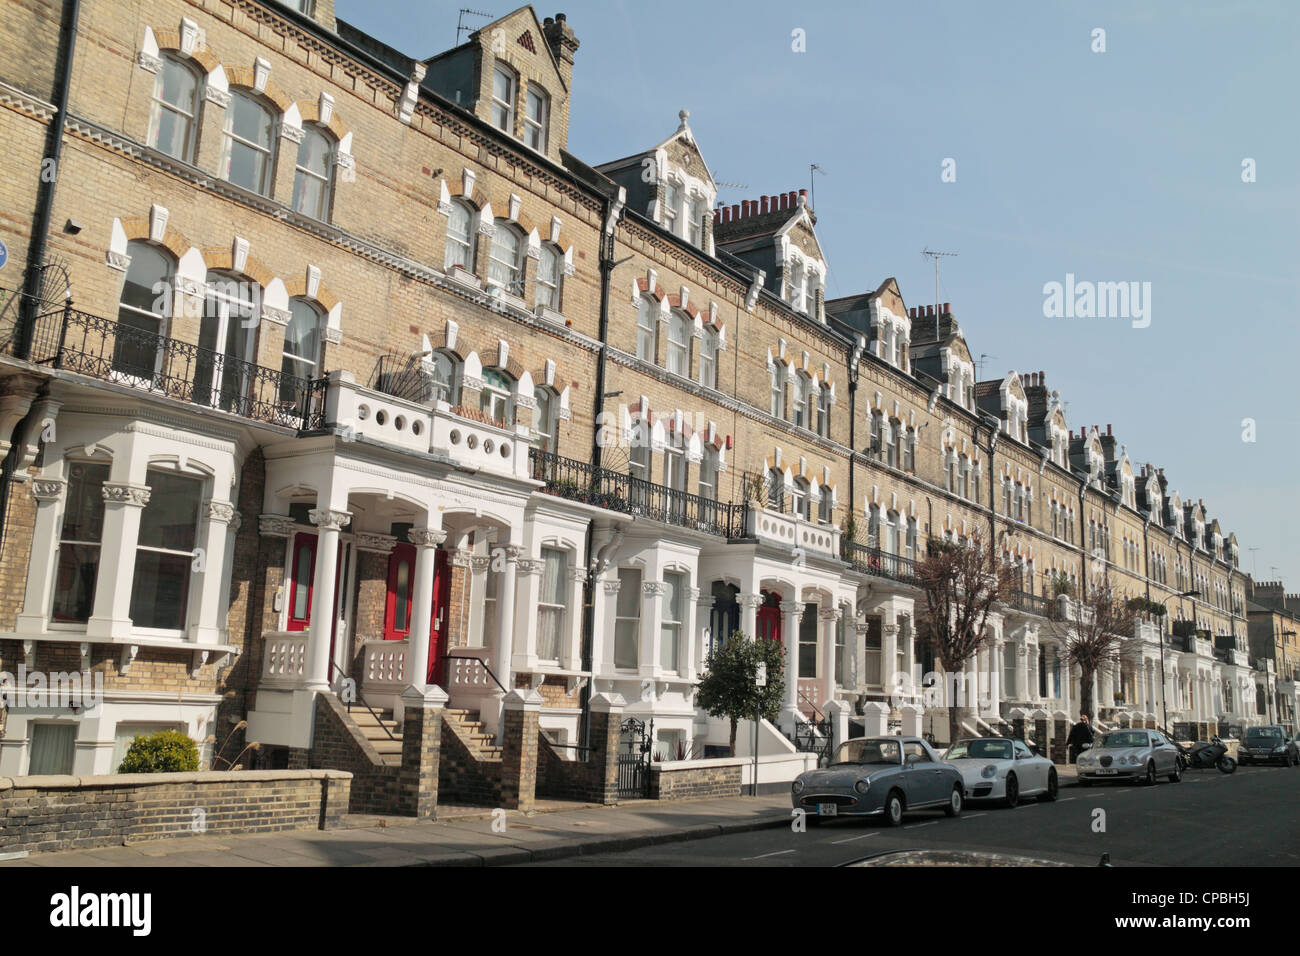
(330, 376)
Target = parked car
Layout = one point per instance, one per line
(879, 776)
(1002, 768)
(1269, 744)
(1130, 754)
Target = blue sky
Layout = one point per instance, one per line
(1117, 166)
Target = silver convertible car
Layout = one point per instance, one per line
(879, 776)
(1130, 754)
(1002, 768)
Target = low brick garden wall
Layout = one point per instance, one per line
(694, 779)
(39, 814)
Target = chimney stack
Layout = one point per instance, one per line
(563, 44)
(947, 308)
(764, 203)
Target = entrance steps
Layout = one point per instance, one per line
(377, 728)
(470, 730)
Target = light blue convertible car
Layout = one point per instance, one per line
(879, 776)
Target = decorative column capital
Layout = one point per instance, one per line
(327, 519)
(48, 489)
(651, 588)
(374, 542)
(829, 614)
(126, 493)
(236, 522)
(426, 537)
(791, 607)
(222, 511)
(528, 566)
(460, 558)
(749, 600)
(578, 575)
(275, 526)
(612, 587)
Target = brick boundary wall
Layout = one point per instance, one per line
(594, 779)
(694, 779)
(43, 813)
(461, 777)
(337, 745)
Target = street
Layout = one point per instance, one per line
(1246, 819)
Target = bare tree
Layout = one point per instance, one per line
(961, 584)
(1093, 631)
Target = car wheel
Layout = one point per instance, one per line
(1053, 787)
(1150, 779)
(1013, 791)
(894, 808)
(1177, 775)
(953, 808)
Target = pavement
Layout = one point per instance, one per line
(462, 836)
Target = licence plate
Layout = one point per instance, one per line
(827, 810)
(1107, 771)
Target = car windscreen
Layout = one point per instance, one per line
(980, 750)
(1263, 733)
(868, 752)
(1123, 738)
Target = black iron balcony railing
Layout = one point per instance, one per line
(879, 563)
(581, 481)
(1029, 603)
(111, 351)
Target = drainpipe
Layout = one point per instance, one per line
(612, 209)
(36, 249)
(855, 368)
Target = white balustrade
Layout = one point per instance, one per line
(285, 657)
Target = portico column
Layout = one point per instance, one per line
(426, 541)
(217, 515)
(889, 652)
(602, 641)
(123, 503)
(792, 610)
(691, 629)
(506, 617)
(328, 522)
(749, 605)
(39, 595)
(703, 617)
(829, 618)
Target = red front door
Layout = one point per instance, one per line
(302, 579)
(398, 610)
(769, 617)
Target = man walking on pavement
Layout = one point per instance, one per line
(1080, 737)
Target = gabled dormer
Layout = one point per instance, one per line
(514, 74)
(671, 184)
(939, 350)
(881, 317)
(1124, 481)
(1151, 495)
(1088, 456)
(1195, 523)
(778, 235)
(1006, 400)
(1214, 539)
(1047, 425)
(1176, 516)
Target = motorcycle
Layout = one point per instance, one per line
(1202, 755)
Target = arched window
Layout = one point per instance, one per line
(776, 385)
(545, 420)
(537, 118)
(445, 378)
(825, 506)
(174, 115)
(460, 238)
(678, 344)
(799, 396)
(249, 155)
(709, 358)
(550, 276)
(645, 330)
(496, 398)
(505, 87)
(302, 347)
(776, 489)
(708, 487)
(799, 498)
(824, 411)
(313, 178)
(227, 337)
(506, 259)
(142, 314)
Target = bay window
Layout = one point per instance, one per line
(165, 551)
(627, 620)
(670, 625)
(79, 542)
(552, 604)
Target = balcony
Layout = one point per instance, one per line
(104, 349)
(581, 481)
(808, 537)
(465, 435)
(1029, 603)
(880, 564)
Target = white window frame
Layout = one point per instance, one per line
(499, 105)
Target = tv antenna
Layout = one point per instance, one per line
(936, 256)
(813, 169)
(979, 365)
(460, 20)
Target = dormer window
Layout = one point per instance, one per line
(672, 201)
(504, 91)
(694, 222)
(537, 116)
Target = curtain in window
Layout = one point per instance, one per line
(627, 638)
(551, 609)
(53, 748)
(671, 623)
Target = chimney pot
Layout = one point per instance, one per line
(1108, 429)
(735, 212)
(929, 311)
(766, 200)
(947, 308)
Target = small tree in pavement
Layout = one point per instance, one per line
(1094, 631)
(729, 689)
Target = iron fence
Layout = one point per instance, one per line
(880, 563)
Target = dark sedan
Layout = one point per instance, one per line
(879, 776)
(1270, 744)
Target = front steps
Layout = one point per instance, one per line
(376, 730)
(471, 731)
